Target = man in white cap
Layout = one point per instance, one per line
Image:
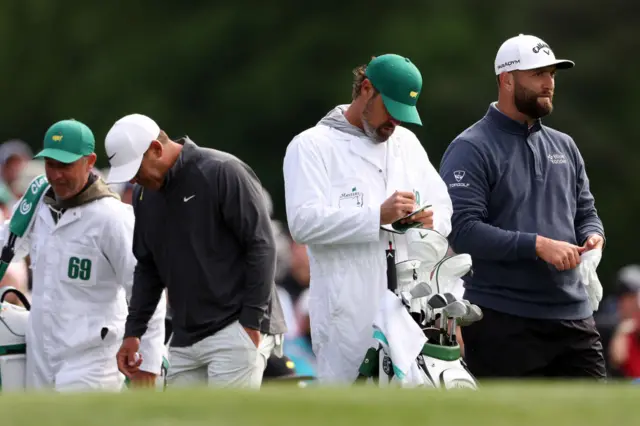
(203, 231)
(524, 212)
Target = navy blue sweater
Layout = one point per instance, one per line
(508, 184)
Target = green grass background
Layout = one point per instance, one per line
(496, 404)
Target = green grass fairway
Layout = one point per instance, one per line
(496, 405)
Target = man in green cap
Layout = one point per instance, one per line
(80, 249)
(347, 180)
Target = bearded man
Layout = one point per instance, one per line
(347, 180)
(524, 212)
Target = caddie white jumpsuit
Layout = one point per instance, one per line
(335, 181)
(82, 277)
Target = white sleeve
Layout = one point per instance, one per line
(311, 218)
(438, 196)
(118, 249)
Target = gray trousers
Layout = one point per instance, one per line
(229, 358)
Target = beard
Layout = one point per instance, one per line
(373, 132)
(532, 104)
(378, 134)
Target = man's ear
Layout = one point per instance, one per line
(508, 81)
(91, 160)
(156, 149)
(367, 89)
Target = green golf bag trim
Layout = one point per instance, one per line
(22, 219)
(370, 364)
(13, 349)
(9, 350)
(443, 353)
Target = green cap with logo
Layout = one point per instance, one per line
(67, 141)
(399, 82)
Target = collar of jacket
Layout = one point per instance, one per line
(510, 125)
(186, 154)
(95, 189)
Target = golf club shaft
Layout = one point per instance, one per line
(452, 332)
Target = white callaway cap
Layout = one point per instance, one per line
(127, 141)
(526, 52)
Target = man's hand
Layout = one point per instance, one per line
(594, 241)
(254, 335)
(425, 217)
(562, 255)
(129, 359)
(143, 379)
(400, 204)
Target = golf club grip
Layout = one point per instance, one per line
(392, 278)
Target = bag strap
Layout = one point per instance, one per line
(22, 219)
(24, 215)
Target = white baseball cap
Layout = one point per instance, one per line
(127, 141)
(526, 52)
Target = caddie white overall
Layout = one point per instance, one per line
(82, 275)
(336, 179)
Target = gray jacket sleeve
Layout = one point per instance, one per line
(470, 233)
(243, 208)
(587, 221)
(147, 285)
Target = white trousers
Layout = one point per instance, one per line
(229, 358)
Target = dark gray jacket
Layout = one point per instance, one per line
(206, 236)
(509, 183)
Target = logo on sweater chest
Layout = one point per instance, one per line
(557, 158)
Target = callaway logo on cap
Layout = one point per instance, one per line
(526, 52)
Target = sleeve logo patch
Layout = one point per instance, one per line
(458, 175)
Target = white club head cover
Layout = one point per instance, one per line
(589, 261)
(449, 271)
(406, 272)
(427, 246)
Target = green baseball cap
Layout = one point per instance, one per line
(399, 82)
(67, 141)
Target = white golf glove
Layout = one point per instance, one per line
(587, 270)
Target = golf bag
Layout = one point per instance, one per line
(13, 324)
(424, 283)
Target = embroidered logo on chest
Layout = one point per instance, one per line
(557, 158)
(354, 198)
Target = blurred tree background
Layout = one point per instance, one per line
(247, 76)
